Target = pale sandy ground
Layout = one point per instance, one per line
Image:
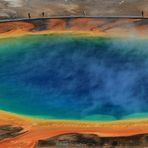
(20, 8)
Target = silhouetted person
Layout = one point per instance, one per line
(142, 13)
(43, 14)
(29, 15)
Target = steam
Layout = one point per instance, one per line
(78, 77)
(14, 3)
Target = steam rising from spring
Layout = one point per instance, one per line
(74, 77)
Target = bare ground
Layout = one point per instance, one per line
(20, 8)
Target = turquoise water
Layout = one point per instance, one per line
(73, 77)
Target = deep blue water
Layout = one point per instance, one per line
(73, 77)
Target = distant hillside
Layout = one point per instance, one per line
(20, 8)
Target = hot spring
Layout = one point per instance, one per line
(73, 77)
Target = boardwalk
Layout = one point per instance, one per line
(71, 17)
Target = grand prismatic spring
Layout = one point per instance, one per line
(72, 77)
(96, 82)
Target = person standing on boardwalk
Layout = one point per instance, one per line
(43, 14)
(142, 13)
(29, 15)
